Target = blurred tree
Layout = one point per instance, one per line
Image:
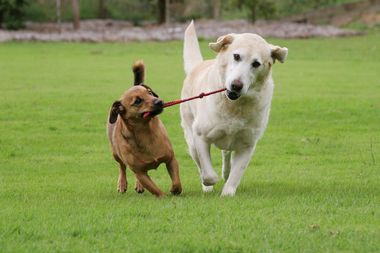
(12, 13)
(2, 11)
(163, 11)
(103, 12)
(193, 9)
(76, 14)
(266, 8)
(58, 12)
(216, 9)
(291, 7)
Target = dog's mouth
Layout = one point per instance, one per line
(151, 114)
(233, 95)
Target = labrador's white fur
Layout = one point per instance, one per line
(234, 126)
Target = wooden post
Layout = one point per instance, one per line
(102, 13)
(58, 13)
(76, 14)
(163, 11)
(216, 9)
(167, 11)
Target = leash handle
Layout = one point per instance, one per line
(203, 94)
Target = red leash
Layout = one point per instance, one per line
(203, 94)
(179, 101)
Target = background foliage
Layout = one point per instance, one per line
(12, 13)
(137, 11)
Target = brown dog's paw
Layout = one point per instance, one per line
(121, 190)
(176, 189)
(122, 186)
(160, 195)
(139, 188)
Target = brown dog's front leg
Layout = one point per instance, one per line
(148, 184)
(122, 182)
(173, 170)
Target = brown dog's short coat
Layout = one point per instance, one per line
(139, 139)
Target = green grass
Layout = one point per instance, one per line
(313, 185)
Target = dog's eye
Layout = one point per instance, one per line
(237, 57)
(138, 101)
(256, 64)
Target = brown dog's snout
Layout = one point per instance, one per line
(236, 85)
(158, 103)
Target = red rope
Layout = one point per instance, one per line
(203, 94)
(179, 101)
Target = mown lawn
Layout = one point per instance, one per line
(313, 185)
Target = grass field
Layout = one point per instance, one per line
(313, 185)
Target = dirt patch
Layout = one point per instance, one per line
(120, 31)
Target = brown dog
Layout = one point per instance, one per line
(139, 139)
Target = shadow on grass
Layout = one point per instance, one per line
(264, 190)
(285, 189)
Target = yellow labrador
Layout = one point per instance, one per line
(235, 120)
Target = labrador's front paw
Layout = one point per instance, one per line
(228, 191)
(210, 179)
(207, 188)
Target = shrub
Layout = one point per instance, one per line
(265, 9)
(12, 13)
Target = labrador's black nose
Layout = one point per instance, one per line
(236, 85)
(158, 102)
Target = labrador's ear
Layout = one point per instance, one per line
(138, 69)
(116, 109)
(222, 42)
(149, 89)
(278, 53)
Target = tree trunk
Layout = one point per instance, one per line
(167, 11)
(163, 11)
(216, 9)
(102, 9)
(252, 5)
(58, 13)
(76, 14)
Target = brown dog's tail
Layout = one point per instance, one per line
(138, 71)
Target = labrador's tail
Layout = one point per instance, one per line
(191, 51)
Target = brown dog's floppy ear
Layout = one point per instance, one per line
(222, 42)
(116, 109)
(138, 71)
(278, 53)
